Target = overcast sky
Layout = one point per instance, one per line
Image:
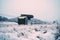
(43, 9)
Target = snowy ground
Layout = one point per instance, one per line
(13, 31)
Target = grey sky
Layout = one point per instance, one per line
(42, 9)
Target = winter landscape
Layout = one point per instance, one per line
(13, 31)
(29, 19)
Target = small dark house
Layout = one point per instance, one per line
(22, 20)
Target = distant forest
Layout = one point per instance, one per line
(3, 18)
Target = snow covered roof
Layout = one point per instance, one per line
(22, 17)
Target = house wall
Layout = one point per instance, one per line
(23, 20)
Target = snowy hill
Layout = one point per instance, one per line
(13, 31)
(14, 19)
(3, 18)
(37, 21)
(33, 21)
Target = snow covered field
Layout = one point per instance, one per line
(13, 31)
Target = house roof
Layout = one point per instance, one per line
(22, 17)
